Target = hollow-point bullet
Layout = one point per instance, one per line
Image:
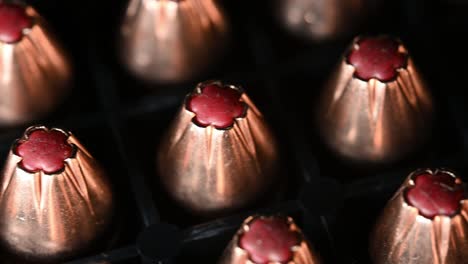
(55, 200)
(376, 107)
(34, 70)
(269, 239)
(168, 41)
(424, 222)
(219, 154)
(320, 20)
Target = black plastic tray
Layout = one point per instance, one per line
(121, 119)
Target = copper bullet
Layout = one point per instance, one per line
(172, 40)
(55, 200)
(424, 222)
(376, 108)
(321, 20)
(34, 70)
(269, 239)
(219, 153)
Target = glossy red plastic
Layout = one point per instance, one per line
(269, 240)
(44, 151)
(377, 57)
(216, 105)
(13, 21)
(435, 194)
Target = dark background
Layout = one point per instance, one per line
(120, 120)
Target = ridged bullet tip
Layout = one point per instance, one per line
(216, 105)
(435, 194)
(377, 57)
(13, 21)
(44, 150)
(269, 240)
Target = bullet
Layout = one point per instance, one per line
(424, 222)
(35, 72)
(168, 41)
(219, 154)
(375, 108)
(269, 239)
(55, 200)
(320, 20)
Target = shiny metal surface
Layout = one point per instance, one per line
(402, 235)
(321, 19)
(211, 170)
(172, 41)
(373, 121)
(303, 254)
(52, 217)
(34, 74)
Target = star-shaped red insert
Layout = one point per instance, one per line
(13, 20)
(377, 57)
(216, 106)
(44, 150)
(435, 194)
(269, 240)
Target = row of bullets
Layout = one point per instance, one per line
(161, 41)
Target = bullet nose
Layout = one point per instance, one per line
(13, 21)
(35, 72)
(378, 58)
(44, 151)
(375, 108)
(424, 222)
(216, 107)
(166, 41)
(55, 200)
(219, 154)
(435, 194)
(269, 239)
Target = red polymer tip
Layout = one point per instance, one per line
(269, 240)
(13, 20)
(44, 150)
(216, 105)
(378, 58)
(435, 194)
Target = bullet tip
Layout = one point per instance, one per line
(269, 239)
(435, 194)
(44, 150)
(216, 105)
(377, 57)
(13, 21)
